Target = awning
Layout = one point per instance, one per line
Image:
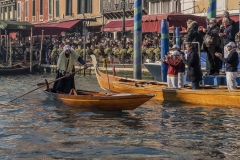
(152, 23)
(233, 17)
(117, 26)
(62, 25)
(68, 24)
(15, 25)
(54, 28)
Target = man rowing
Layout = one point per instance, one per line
(65, 67)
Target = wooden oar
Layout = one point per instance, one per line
(46, 84)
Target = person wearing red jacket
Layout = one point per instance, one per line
(174, 64)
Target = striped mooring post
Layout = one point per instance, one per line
(137, 61)
(164, 47)
(177, 32)
(211, 13)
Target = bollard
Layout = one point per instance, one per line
(211, 13)
(164, 47)
(137, 57)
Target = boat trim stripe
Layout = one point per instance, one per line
(79, 100)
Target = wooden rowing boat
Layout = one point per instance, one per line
(17, 69)
(98, 100)
(207, 95)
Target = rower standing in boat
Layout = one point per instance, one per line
(65, 67)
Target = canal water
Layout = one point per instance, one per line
(33, 127)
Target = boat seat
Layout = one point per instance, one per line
(73, 92)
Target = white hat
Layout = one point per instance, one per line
(175, 46)
(231, 44)
(175, 53)
(67, 47)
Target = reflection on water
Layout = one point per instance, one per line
(35, 127)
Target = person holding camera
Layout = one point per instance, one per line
(212, 42)
(174, 63)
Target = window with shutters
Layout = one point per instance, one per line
(18, 10)
(79, 6)
(50, 7)
(84, 6)
(68, 7)
(41, 7)
(88, 6)
(33, 8)
(164, 7)
(26, 9)
(57, 8)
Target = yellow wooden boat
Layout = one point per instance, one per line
(207, 95)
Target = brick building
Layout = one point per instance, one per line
(57, 13)
(34, 11)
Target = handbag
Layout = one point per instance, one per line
(208, 39)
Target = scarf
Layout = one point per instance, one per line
(65, 64)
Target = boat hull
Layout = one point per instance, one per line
(207, 95)
(100, 100)
(17, 71)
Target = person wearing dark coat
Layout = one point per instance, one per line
(194, 73)
(193, 34)
(213, 47)
(231, 22)
(227, 35)
(231, 65)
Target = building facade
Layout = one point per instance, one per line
(197, 7)
(33, 11)
(89, 10)
(8, 9)
(52, 11)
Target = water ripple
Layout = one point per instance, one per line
(34, 127)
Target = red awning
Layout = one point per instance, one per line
(61, 25)
(117, 26)
(68, 24)
(54, 28)
(152, 23)
(233, 17)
